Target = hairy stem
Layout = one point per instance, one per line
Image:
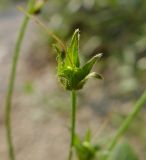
(10, 89)
(140, 103)
(73, 122)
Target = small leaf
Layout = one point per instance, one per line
(72, 57)
(88, 66)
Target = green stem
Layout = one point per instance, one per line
(10, 89)
(140, 103)
(73, 122)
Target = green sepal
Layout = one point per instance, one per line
(70, 77)
(60, 58)
(38, 6)
(89, 76)
(72, 57)
(88, 135)
(93, 75)
(89, 64)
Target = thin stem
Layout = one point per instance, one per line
(73, 122)
(10, 89)
(140, 103)
(45, 28)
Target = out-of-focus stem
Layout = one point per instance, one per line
(10, 89)
(140, 103)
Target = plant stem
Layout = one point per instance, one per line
(140, 103)
(10, 89)
(73, 122)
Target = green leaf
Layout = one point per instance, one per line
(123, 151)
(72, 57)
(88, 66)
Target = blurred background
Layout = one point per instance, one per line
(41, 108)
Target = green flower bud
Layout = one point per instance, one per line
(38, 6)
(70, 74)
